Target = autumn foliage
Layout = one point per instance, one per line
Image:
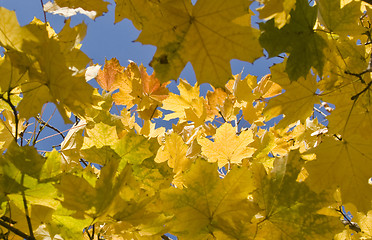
(285, 156)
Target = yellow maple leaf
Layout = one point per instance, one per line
(174, 153)
(204, 34)
(214, 102)
(298, 100)
(111, 74)
(210, 205)
(53, 66)
(138, 11)
(227, 147)
(344, 163)
(266, 88)
(137, 87)
(8, 128)
(12, 35)
(186, 106)
(364, 221)
(278, 9)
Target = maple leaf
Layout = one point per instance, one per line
(364, 222)
(207, 34)
(208, 202)
(247, 100)
(137, 87)
(278, 9)
(12, 78)
(174, 153)
(297, 102)
(26, 159)
(227, 147)
(352, 114)
(102, 145)
(139, 12)
(289, 206)
(266, 88)
(124, 96)
(214, 102)
(343, 163)
(304, 45)
(8, 129)
(151, 86)
(111, 75)
(50, 78)
(187, 104)
(340, 20)
(12, 35)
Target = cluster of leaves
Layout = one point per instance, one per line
(223, 171)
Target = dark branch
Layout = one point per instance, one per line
(42, 7)
(16, 120)
(26, 210)
(222, 115)
(164, 237)
(355, 97)
(43, 123)
(16, 231)
(346, 221)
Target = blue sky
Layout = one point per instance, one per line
(105, 39)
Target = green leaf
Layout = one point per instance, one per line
(52, 166)
(341, 20)
(298, 38)
(26, 159)
(289, 208)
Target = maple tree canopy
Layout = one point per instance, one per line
(285, 156)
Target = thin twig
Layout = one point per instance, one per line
(42, 7)
(16, 120)
(352, 225)
(222, 115)
(165, 237)
(16, 231)
(42, 122)
(156, 107)
(87, 231)
(355, 97)
(26, 209)
(83, 162)
(93, 231)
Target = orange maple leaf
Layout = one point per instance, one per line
(109, 76)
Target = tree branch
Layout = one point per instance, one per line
(16, 231)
